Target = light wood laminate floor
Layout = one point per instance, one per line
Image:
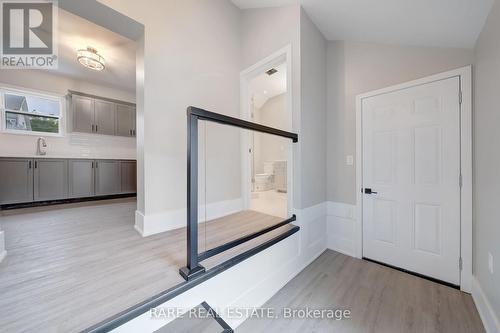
(380, 299)
(71, 266)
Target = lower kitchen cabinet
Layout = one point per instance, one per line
(16, 180)
(107, 177)
(26, 180)
(81, 178)
(50, 179)
(128, 171)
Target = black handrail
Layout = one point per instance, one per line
(236, 122)
(193, 267)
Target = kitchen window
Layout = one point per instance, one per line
(30, 113)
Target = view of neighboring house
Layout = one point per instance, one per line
(249, 166)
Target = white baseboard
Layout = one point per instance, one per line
(151, 224)
(340, 222)
(3, 253)
(490, 320)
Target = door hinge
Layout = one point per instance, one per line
(460, 97)
(460, 263)
(460, 180)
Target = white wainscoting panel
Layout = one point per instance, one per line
(490, 320)
(340, 222)
(3, 252)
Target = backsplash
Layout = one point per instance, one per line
(71, 145)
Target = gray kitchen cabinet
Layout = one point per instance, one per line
(50, 179)
(128, 176)
(16, 180)
(81, 178)
(26, 180)
(125, 120)
(107, 177)
(104, 117)
(83, 114)
(100, 115)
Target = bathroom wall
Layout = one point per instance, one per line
(69, 144)
(267, 147)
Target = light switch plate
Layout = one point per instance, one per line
(349, 160)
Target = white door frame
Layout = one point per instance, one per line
(465, 76)
(283, 55)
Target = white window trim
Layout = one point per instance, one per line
(47, 95)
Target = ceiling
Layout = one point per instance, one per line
(263, 87)
(76, 33)
(439, 23)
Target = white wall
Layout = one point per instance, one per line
(355, 68)
(486, 197)
(70, 144)
(191, 57)
(313, 112)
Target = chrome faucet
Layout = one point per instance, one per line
(41, 144)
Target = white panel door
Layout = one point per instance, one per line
(411, 159)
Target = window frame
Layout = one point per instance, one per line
(22, 91)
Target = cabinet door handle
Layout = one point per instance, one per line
(36, 164)
(29, 164)
(130, 132)
(92, 164)
(96, 128)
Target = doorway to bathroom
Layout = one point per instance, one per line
(266, 99)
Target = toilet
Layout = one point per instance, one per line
(265, 181)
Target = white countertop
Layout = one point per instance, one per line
(68, 157)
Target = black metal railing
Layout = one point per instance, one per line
(194, 115)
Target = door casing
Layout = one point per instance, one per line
(283, 55)
(465, 76)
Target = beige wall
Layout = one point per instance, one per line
(355, 68)
(487, 159)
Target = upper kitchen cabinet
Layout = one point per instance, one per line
(104, 117)
(125, 120)
(83, 114)
(16, 181)
(99, 115)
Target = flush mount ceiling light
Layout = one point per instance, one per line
(90, 59)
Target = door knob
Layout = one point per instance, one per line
(369, 191)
